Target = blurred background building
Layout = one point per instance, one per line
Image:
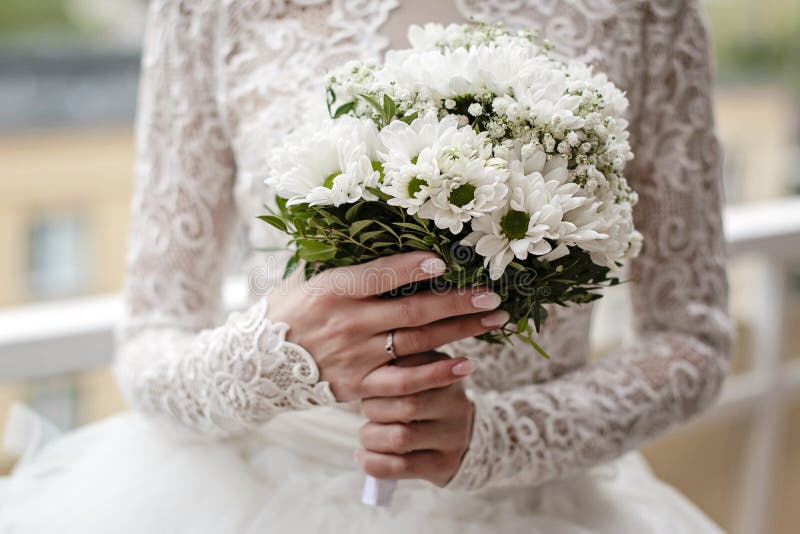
(68, 75)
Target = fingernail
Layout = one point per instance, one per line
(463, 368)
(495, 319)
(433, 266)
(357, 456)
(486, 301)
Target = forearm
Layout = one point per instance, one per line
(219, 381)
(536, 433)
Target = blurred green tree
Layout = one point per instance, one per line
(756, 40)
(19, 17)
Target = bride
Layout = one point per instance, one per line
(267, 420)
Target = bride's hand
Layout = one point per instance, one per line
(424, 435)
(339, 319)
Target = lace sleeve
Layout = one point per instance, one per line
(678, 359)
(171, 360)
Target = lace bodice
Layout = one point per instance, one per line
(223, 80)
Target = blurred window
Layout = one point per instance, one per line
(57, 264)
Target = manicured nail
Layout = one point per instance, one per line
(495, 319)
(433, 266)
(486, 301)
(463, 368)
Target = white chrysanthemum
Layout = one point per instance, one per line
(416, 157)
(607, 234)
(542, 90)
(466, 188)
(409, 184)
(456, 72)
(532, 218)
(432, 35)
(400, 144)
(329, 166)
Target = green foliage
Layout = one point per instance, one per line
(23, 16)
(384, 107)
(754, 42)
(323, 237)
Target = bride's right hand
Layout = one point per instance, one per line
(339, 319)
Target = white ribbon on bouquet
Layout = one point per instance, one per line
(378, 492)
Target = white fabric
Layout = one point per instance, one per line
(125, 475)
(223, 80)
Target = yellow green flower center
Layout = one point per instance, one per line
(378, 166)
(462, 195)
(328, 181)
(515, 224)
(415, 186)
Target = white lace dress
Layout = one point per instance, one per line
(233, 432)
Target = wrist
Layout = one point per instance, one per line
(472, 473)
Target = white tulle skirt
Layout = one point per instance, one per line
(126, 475)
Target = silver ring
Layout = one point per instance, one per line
(390, 345)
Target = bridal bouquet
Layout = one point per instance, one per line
(476, 145)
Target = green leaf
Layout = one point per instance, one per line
(408, 119)
(358, 226)
(537, 316)
(331, 98)
(416, 245)
(313, 251)
(389, 108)
(275, 221)
(281, 203)
(529, 340)
(411, 226)
(412, 237)
(343, 109)
(351, 212)
(522, 324)
(378, 193)
(388, 229)
(291, 266)
(422, 222)
(374, 103)
(366, 236)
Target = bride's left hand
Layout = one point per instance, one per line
(423, 436)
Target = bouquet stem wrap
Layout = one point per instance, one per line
(378, 492)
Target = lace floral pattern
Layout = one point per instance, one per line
(677, 362)
(224, 380)
(223, 80)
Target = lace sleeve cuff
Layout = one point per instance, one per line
(475, 469)
(224, 380)
(297, 377)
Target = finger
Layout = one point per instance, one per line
(422, 358)
(401, 438)
(410, 360)
(422, 406)
(381, 275)
(435, 466)
(434, 335)
(394, 381)
(430, 306)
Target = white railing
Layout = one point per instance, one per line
(52, 339)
